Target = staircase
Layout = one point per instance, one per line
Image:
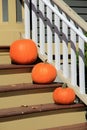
(26, 105)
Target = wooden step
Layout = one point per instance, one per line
(80, 126)
(31, 109)
(27, 86)
(17, 68)
(26, 110)
(4, 48)
(14, 66)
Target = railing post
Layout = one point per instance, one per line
(73, 56)
(42, 27)
(34, 21)
(49, 34)
(57, 40)
(27, 18)
(65, 48)
(81, 65)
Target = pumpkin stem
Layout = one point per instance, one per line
(64, 85)
(45, 61)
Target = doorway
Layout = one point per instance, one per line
(11, 21)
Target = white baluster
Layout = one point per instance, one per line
(27, 19)
(73, 56)
(81, 65)
(34, 20)
(65, 47)
(49, 34)
(42, 27)
(57, 40)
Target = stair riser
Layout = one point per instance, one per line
(29, 97)
(6, 79)
(4, 58)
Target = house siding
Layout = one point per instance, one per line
(80, 6)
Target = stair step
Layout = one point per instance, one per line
(80, 126)
(27, 86)
(14, 66)
(25, 109)
(4, 48)
(17, 68)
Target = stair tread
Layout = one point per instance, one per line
(4, 48)
(79, 126)
(30, 109)
(27, 86)
(14, 66)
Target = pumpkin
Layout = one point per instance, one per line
(23, 51)
(63, 95)
(43, 73)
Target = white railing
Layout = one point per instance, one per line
(55, 33)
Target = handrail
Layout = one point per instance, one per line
(65, 20)
(72, 14)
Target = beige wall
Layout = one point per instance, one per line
(11, 30)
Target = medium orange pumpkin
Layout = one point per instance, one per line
(63, 95)
(43, 73)
(23, 51)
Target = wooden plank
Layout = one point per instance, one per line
(72, 14)
(4, 48)
(78, 3)
(82, 11)
(14, 66)
(27, 86)
(25, 109)
(84, 17)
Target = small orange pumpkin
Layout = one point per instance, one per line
(64, 95)
(23, 51)
(43, 73)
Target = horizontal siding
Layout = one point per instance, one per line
(80, 6)
(79, 3)
(81, 10)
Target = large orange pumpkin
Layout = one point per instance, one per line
(23, 51)
(43, 73)
(63, 95)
